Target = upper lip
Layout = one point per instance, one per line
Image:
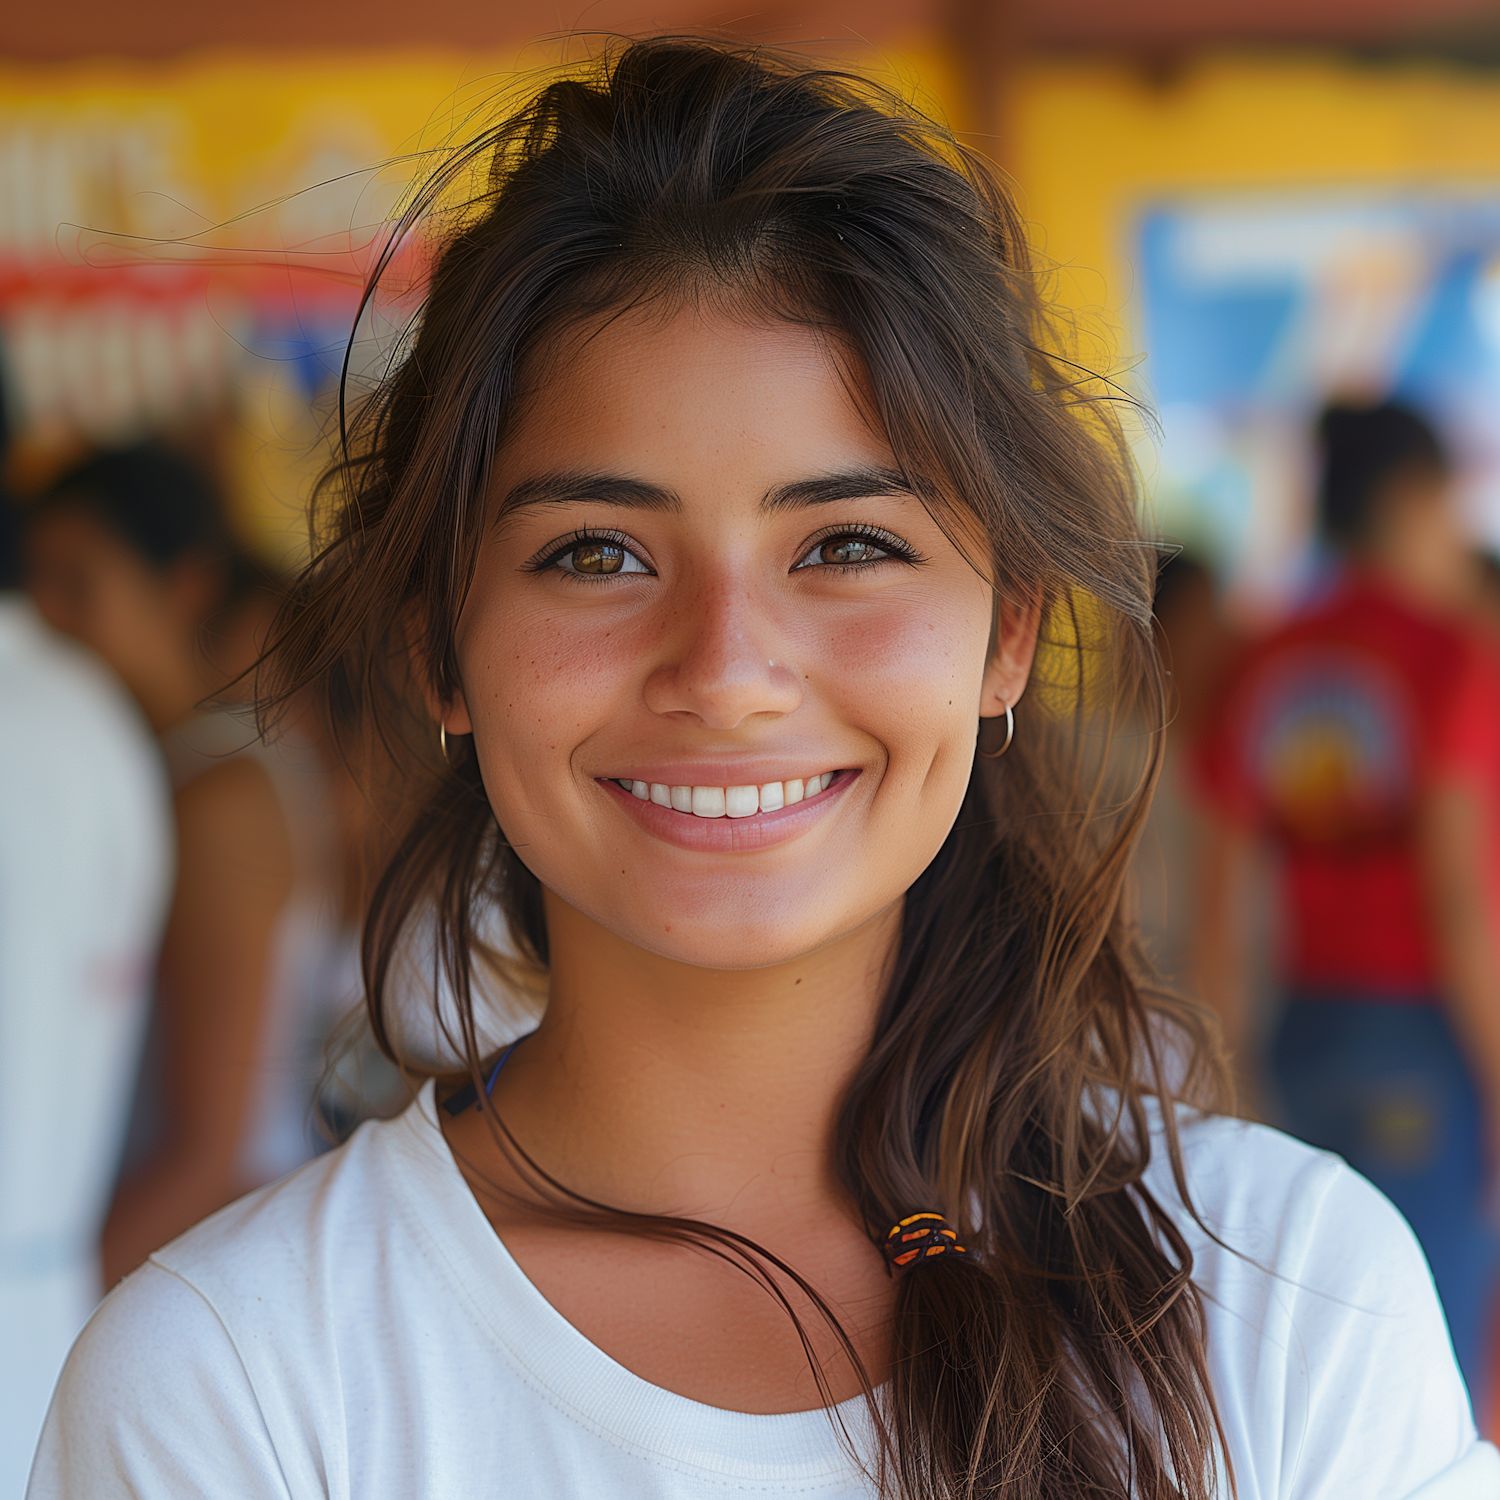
(726, 773)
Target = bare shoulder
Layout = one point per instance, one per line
(235, 805)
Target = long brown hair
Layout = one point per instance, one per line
(1019, 1039)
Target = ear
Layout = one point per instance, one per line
(1013, 648)
(451, 715)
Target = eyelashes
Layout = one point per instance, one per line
(596, 554)
(864, 537)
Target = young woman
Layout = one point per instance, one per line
(699, 550)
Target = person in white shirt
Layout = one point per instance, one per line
(730, 494)
(85, 874)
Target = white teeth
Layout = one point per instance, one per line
(734, 801)
(741, 801)
(708, 801)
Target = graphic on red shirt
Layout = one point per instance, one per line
(1328, 744)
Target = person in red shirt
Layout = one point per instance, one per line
(1361, 741)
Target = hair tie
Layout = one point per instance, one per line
(920, 1237)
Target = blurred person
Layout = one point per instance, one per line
(234, 635)
(128, 553)
(1196, 643)
(85, 875)
(1361, 741)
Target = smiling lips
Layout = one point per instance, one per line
(727, 801)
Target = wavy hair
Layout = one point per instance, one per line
(1020, 1041)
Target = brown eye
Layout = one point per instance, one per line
(849, 551)
(856, 548)
(597, 557)
(582, 556)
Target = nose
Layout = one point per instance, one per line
(721, 659)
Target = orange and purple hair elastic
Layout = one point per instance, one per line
(920, 1237)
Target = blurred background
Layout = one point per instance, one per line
(1268, 201)
(1255, 208)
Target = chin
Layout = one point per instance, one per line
(729, 935)
(759, 943)
(726, 950)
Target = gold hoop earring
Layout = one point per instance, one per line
(1010, 734)
(442, 742)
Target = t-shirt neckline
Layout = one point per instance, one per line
(792, 1450)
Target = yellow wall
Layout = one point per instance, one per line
(1093, 141)
(229, 130)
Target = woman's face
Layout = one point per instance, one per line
(707, 594)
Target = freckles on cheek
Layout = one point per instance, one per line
(921, 663)
(544, 671)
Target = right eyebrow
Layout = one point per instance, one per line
(602, 489)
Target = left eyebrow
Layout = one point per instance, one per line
(853, 484)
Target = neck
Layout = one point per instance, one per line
(659, 1087)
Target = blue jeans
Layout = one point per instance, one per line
(1385, 1085)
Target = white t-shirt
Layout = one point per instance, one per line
(358, 1331)
(85, 870)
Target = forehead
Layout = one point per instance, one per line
(691, 388)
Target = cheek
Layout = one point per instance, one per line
(918, 665)
(136, 617)
(86, 606)
(536, 682)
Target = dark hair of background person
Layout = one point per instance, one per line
(1178, 572)
(1019, 1034)
(158, 502)
(164, 507)
(12, 567)
(1362, 448)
